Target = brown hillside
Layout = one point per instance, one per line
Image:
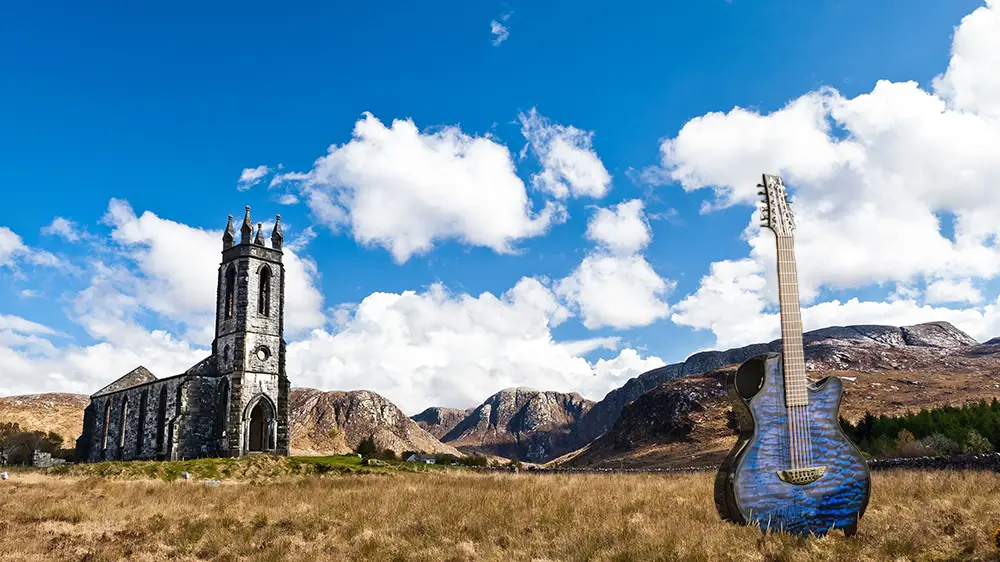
(336, 422)
(56, 412)
(687, 421)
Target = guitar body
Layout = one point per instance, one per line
(748, 489)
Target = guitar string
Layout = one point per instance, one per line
(799, 426)
(800, 351)
(789, 392)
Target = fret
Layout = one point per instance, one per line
(791, 323)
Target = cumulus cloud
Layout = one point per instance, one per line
(63, 228)
(178, 266)
(871, 176)
(11, 246)
(570, 166)
(251, 177)
(954, 291)
(616, 291)
(405, 190)
(614, 285)
(149, 268)
(438, 348)
(729, 302)
(432, 347)
(622, 229)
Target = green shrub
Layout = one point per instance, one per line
(367, 447)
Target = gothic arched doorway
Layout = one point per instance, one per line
(260, 422)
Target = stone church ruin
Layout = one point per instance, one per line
(230, 404)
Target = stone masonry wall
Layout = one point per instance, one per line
(186, 404)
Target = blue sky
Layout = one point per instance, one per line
(164, 108)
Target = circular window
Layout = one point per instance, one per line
(263, 353)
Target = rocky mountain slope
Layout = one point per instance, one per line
(687, 421)
(855, 348)
(439, 421)
(335, 422)
(521, 423)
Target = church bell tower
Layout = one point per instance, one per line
(249, 348)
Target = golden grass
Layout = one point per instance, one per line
(460, 515)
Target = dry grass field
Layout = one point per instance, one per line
(462, 515)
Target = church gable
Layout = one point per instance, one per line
(135, 377)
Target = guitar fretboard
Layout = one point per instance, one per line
(791, 324)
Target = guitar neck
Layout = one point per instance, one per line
(791, 324)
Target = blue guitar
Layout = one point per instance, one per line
(792, 469)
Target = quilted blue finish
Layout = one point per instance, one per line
(757, 495)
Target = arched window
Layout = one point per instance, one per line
(222, 400)
(161, 421)
(140, 435)
(230, 290)
(264, 299)
(107, 423)
(121, 430)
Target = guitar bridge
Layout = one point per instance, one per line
(801, 476)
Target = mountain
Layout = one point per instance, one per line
(57, 412)
(335, 422)
(439, 421)
(521, 423)
(687, 420)
(862, 347)
(321, 422)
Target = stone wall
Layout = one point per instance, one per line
(171, 418)
(44, 460)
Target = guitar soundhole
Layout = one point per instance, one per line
(750, 379)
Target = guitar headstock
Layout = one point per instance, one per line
(776, 212)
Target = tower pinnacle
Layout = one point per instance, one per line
(276, 236)
(246, 231)
(259, 239)
(229, 235)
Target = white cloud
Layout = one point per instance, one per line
(614, 285)
(622, 230)
(11, 245)
(18, 324)
(64, 228)
(570, 166)
(626, 365)
(950, 290)
(14, 250)
(616, 291)
(870, 177)
(499, 31)
(152, 265)
(730, 304)
(971, 82)
(178, 266)
(439, 348)
(279, 179)
(251, 177)
(417, 348)
(405, 190)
